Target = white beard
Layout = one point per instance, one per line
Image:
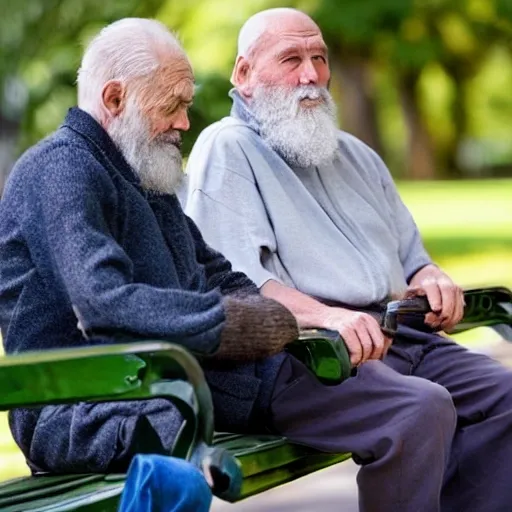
(156, 162)
(303, 136)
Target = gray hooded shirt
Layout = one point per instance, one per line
(338, 232)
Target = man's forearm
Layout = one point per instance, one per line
(308, 311)
(360, 332)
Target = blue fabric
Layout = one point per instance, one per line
(77, 229)
(164, 484)
(81, 240)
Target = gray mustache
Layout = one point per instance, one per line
(170, 138)
(310, 93)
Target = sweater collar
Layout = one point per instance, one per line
(241, 110)
(85, 125)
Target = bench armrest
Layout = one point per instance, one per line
(326, 355)
(133, 371)
(487, 307)
(324, 352)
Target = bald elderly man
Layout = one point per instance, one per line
(94, 248)
(312, 215)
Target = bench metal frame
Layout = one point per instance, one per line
(240, 465)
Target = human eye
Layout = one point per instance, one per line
(291, 59)
(319, 58)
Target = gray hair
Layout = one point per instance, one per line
(124, 50)
(256, 26)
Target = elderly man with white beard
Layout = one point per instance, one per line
(312, 215)
(94, 248)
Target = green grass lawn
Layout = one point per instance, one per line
(467, 228)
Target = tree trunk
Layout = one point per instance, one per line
(420, 159)
(460, 122)
(359, 113)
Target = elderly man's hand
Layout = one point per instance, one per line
(361, 333)
(446, 299)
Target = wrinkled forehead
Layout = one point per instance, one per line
(174, 78)
(278, 41)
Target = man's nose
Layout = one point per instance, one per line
(308, 73)
(181, 122)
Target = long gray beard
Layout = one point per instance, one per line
(157, 163)
(303, 136)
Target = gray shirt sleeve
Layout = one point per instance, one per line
(413, 254)
(224, 202)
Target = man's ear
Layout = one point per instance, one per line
(113, 96)
(241, 75)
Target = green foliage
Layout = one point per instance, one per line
(454, 54)
(211, 103)
(360, 22)
(42, 43)
(504, 10)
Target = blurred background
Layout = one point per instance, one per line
(426, 83)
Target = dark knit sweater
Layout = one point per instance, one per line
(77, 230)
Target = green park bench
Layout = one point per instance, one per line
(240, 465)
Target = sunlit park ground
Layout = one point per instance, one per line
(467, 227)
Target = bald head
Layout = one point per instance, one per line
(272, 21)
(280, 47)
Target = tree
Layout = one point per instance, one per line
(465, 34)
(362, 35)
(400, 40)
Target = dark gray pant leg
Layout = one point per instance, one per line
(479, 475)
(97, 438)
(399, 427)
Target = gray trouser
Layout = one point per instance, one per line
(431, 425)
